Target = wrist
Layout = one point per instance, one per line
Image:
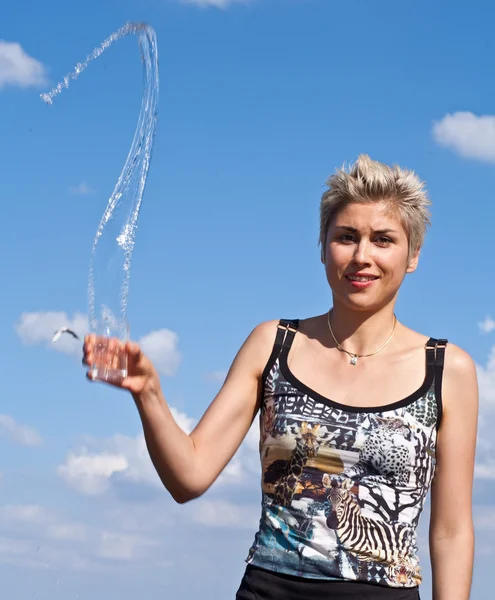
(150, 395)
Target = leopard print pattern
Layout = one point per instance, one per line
(425, 409)
(385, 451)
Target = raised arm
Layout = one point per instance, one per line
(189, 464)
(451, 524)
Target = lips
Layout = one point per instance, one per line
(361, 281)
(361, 277)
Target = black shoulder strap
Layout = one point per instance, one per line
(439, 362)
(286, 330)
(430, 353)
(435, 357)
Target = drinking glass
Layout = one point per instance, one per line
(110, 357)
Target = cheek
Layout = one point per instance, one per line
(336, 255)
(336, 261)
(395, 264)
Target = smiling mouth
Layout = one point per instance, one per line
(361, 278)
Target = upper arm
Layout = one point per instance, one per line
(227, 420)
(451, 498)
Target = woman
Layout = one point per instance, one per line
(359, 415)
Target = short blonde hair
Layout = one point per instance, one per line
(368, 180)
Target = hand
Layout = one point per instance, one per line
(141, 374)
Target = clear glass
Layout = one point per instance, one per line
(110, 357)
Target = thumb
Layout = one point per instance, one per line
(130, 384)
(133, 350)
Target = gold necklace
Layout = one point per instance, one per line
(354, 357)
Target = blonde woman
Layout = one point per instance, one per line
(360, 416)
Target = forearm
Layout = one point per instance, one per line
(171, 449)
(452, 565)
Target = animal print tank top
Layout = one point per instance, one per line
(343, 486)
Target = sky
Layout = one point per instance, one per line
(260, 101)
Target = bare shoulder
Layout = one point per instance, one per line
(458, 363)
(460, 383)
(265, 331)
(258, 346)
(263, 336)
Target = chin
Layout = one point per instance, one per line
(360, 302)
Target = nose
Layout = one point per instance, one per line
(363, 252)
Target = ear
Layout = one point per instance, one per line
(347, 484)
(413, 261)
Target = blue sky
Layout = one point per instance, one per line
(260, 101)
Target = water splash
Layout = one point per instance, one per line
(110, 265)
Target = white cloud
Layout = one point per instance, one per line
(18, 68)
(467, 134)
(38, 328)
(245, 464)
(161, 347)
(485, 449)
(82, 189)
(216, 376)
(484, 523)
(93, 468)
(215, 3)
(37, 537)
(90, 468)
(18, 433)
(486, 381)
(73, 532)
(23, 513)
(119, 546)
(487, 326)
(90, 473)
(218, 513)
(485, 471)
(484, 518)
(185, 422)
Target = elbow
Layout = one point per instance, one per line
(183, 497)
(181, 489)
(186, 494)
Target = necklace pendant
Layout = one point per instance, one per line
(354, 359)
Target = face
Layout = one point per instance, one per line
(366, 255)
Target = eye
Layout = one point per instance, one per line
(347, 238)
(383, 241)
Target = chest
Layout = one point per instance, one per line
(372, 382)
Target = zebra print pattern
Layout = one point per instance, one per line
(364, 537)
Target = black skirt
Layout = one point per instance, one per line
(260, 584)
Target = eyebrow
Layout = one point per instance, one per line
(354, 230)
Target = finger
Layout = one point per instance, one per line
(126, 383)
(89, 340)
(131, 385)
(133, 349)
(89, 344)
(117, 354)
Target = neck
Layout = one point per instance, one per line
(361, 332)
